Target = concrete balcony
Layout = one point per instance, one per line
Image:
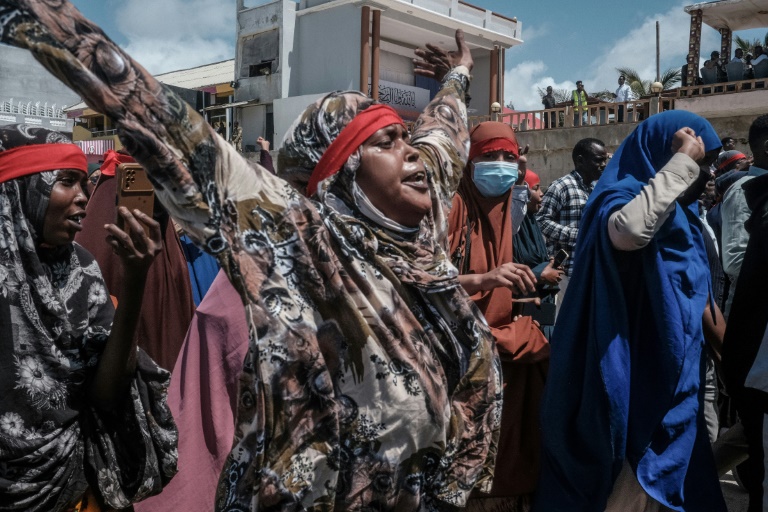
(730, 107)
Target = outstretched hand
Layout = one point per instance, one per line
(435, 62)
(134, 246)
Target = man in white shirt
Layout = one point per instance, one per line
(759, 56)
(623, 94)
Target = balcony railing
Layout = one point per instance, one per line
(598, 114)
(723, 88)
(102, 133)
(31, 109)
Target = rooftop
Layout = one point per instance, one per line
(207, 75)
(733, 14)
(417, 22)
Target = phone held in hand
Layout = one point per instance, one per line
(560, 258)
(134, 191)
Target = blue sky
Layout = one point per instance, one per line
(565, 40)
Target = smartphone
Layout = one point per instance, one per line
(560, 258)
(134, 191)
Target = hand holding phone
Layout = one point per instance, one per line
(134, 191)
(560, 258)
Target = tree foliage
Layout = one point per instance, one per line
(561, 95)
(640, 87)
(748, 46)
(604, 95)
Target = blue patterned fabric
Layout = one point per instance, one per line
(626, 364)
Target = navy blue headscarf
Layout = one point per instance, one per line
(626, 364)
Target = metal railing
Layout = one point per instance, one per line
(102, 133)
(598, 114)
(32, 109)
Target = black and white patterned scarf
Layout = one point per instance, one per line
(55, 318)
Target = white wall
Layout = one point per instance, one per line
(253, 121)
(24, 79)
(287, 38)
(287, 110)
(395, 68)
(480, 89)
(326, 51)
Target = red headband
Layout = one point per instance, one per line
(492, 136)
(112, 159)
(531, 178)
(737, 156)
(352, 136)
(490, 145)
(34, 158)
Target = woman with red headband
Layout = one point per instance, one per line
(371, 382)
(481, 233)
(83, 418)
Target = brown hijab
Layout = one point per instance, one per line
(480, 240)
(487, 220)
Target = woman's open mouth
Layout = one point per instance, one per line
(417, 180)
(77, 220)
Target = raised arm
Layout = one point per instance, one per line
(117, 363)
(192, 168)
(634, 225)
(441, 132)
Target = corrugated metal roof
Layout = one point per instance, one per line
(202, 76)
(193, 78)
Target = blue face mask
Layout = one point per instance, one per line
(494, 179)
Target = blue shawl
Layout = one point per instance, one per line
(626, 366)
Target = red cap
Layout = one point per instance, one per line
(112, 159)
(531, 178)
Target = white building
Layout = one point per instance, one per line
(30, 94)
(288, 54)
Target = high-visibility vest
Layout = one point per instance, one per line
(579, 100)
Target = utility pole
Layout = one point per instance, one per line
(658, 75)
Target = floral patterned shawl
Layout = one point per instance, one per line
(371, 381)
(55, 318)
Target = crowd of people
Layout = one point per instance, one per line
(715, 70)
(741, 67)
(388, 319)
(580, 101)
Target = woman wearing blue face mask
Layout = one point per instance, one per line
(480, 235)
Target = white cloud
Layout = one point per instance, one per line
(522, 83)
(174, 34)
(636, 50)
(535, 32)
